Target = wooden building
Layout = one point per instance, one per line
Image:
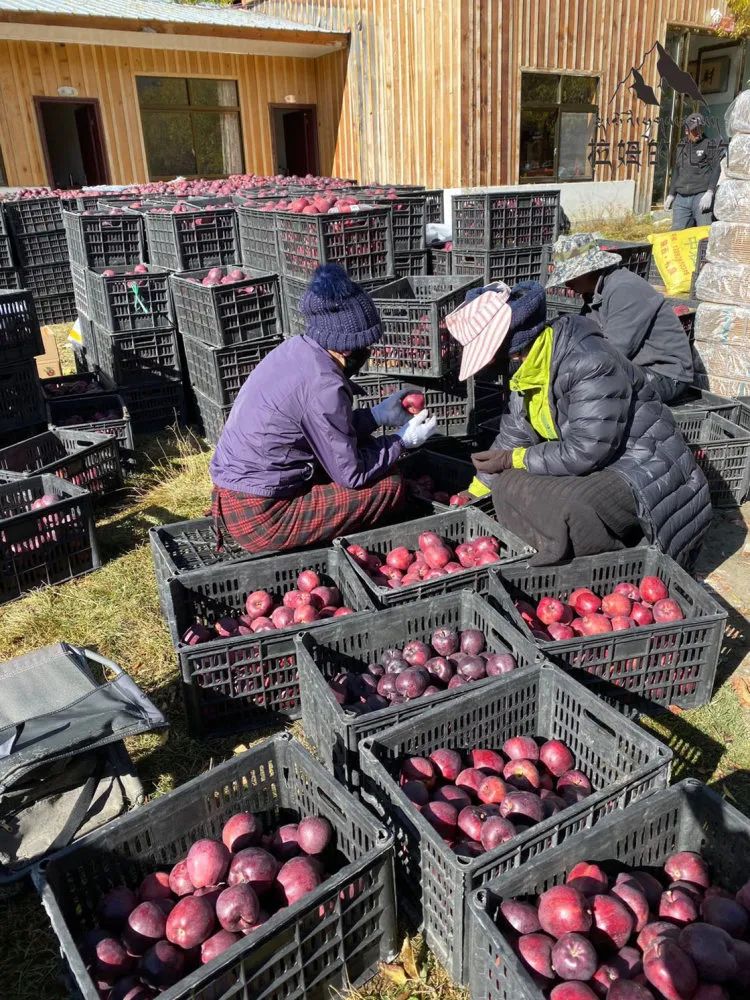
(446, 93)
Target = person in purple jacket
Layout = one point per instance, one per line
(296, 464)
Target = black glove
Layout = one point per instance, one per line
(492, 461)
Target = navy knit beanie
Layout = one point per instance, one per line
(528, 308)
(339, 315)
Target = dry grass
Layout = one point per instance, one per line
(627, 227)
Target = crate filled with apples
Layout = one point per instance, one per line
(360, 675)
(68, 387)
(653, 904)
(415, 338)
(539, 758)
(185, 237)
(84, 458)
(261, 854)
(431, 555)
(233, 626)
(101, 413)
(130, 297)
(634, 624)
(227, 305)
(440, 480)
(104, 238)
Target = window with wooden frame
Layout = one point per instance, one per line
(191, 127)
(558, 121)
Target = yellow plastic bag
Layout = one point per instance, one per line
(675, 254)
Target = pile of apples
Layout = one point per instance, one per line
(585, 613)
(216, 276)
(424, 488)
(90, 416)
(137, 269)
(433, 558)
(325, 203)
(657, 934)
(450, 660)
(479, 799)
(59, 390)
(221, 891)
(311, 601)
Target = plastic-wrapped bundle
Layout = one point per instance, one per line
(732, 202)
(722, 369)
(724, 283)
(719, 323)
(737, 117)
(738, 157)
(729, 241)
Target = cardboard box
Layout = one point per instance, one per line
(48, 364)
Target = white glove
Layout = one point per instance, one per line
(706, 201)
(389, 412)
(669, 201)
(418, 430)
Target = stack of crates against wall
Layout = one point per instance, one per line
(230, 317)
(636, 257)
(40, 248)
(501, 235)
(21, 401)
(9, 275)
(293, 289)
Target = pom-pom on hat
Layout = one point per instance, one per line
(340, 315)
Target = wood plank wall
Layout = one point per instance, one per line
(432, 88)
(29, 69)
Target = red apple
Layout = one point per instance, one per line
(258, 604)
(652, 589)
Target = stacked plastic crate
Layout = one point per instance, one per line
(9, 275)
(41, 251)
(21, 402)
(412, 209)
(502, 235)
(128, 310)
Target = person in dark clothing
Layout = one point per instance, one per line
(694, 177)
(587, 458)
(631, 314)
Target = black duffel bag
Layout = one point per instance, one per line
(64, 769)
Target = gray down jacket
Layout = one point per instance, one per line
(607, 416)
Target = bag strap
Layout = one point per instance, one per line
(79, 810)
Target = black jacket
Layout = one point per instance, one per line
(607, 416)
(641, 324)
(697, 166)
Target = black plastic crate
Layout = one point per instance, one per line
(84, 458)
(95, 413)
(220, 372)
(53, 309)
(636, 257)
(51, 545)
(187, 241)
(257, 234)
(139, 355)
(510, 266)
(694, 398)
(411, 262)
(155, 404)
(361, 242)
(673, 663)
(415, 338)
(21, 402)
(686, 817)
(329, 941)
(293, 290)
(457, 525)
(20, 339)
(622, 761)
(722, 450)
(409, 212)
(248, 682)
(440, 474)
(33, 215)
(42, 248)
(435, 200)
(6, 254)
(213, 416)
(86, 384)
(505, 219)
(344, 646)
(125, 302)
(104, 239)
(48, 281)
(447, 399)
(10, 278)
(225, 315)
(79, 275)
(441, 261)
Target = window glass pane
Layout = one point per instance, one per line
(539, 88)
(576, 132)
(537, 143)
(213, 93)
(579, 90)
(218, 148)
(169, 143)
(161, 91)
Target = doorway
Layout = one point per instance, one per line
(294, 130)
(72, 141)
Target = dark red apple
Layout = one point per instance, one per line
(535, 951)
(652, 589)
(255, 866)
(297, 877)
(445, 641)
(522, 807)
(656, 931)
(521, 748)
(111, 960)
(613, 923)
(219, 942)
(207, 862)
(634, 898)
(471, 779)
(587, 878)
(670, 970)
(416, 792)
(116, 906)
(500, 663)
(314, 834)
(564, 910)
(448, 763)
(238, 908)
(496, 831)
(487, 760)
(179, 880)
(678, 907)
(572, 991)
(442, 817)
(162, 965)
(419, 769)
(688, 865)
(285, 843)
(574, 957)
(493, 790)
(145, 926)
(453, 795)
(190, 922)
(519, 916)
(154, 886)
(523, 775)
(711, 948)
(416, 653)
(667, 611)
(728, 914)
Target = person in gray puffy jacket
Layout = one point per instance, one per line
(632, 315)
(587, 458)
